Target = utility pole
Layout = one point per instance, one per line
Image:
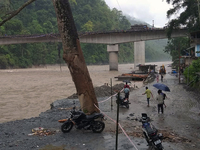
(117, 123)
(153, 23)
(111, 93)
(179, 51)
(188, 68)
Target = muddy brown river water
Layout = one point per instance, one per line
(25, 93)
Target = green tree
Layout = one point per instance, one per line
(14, 26)
(190, 73)
(88, 26)
(3, 62)
(189, 16)
(176, 44)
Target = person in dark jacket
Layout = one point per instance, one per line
(126, 91)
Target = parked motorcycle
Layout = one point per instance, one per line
(122, 101)
(151, 133)
(80, 120)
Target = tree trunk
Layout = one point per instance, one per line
(73, 56)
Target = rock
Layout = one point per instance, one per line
(132, 114)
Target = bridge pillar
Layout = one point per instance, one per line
(139, 53)
(113, 56)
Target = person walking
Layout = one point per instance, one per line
(126, 85)
(157, 77)
(127, 91)
(164, 96)
(160, 102)
(161, 77)
(149, 94)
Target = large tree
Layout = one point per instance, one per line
(176, 44)
(73, 56)
(187, 12)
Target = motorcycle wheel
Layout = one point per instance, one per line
(127, 106)
(66, 127)
(98, 126)
(146, 138)
(158, 147)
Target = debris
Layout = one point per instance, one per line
(62, 120)
(41, 131)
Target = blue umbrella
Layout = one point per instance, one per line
(161, 86)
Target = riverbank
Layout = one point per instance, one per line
(26, 93)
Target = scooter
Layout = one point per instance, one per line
(151, 133)
(122, 102)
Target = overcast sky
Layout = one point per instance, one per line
(144, 10)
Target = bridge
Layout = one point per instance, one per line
(111, 38)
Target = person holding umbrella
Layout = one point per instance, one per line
(149, 94)
(162, 87)
(164, 96)
(160, 102)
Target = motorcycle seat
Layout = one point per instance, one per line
(150, 130)
(92, 115)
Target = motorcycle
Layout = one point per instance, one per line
(122, 101)
(82, 121)
(151, 133)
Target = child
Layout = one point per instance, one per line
(157, 77)
(161, 78)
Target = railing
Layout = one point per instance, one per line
(87, 33)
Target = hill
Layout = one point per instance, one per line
(89, 15)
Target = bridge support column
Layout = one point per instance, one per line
(113, 56)
(139, 53)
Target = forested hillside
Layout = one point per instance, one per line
(89, 15)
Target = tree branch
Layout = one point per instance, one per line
(16, 12)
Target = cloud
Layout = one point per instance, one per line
(144, 10)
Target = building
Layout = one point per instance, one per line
(195, 42)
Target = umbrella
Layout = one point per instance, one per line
(161, 86)
(127, 81)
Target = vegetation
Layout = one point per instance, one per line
(39, 18)
(154, 51)
(175, 45)
(188, 18)
(191, 73)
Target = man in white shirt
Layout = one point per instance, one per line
(160, 101)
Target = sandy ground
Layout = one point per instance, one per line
(26, 93)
